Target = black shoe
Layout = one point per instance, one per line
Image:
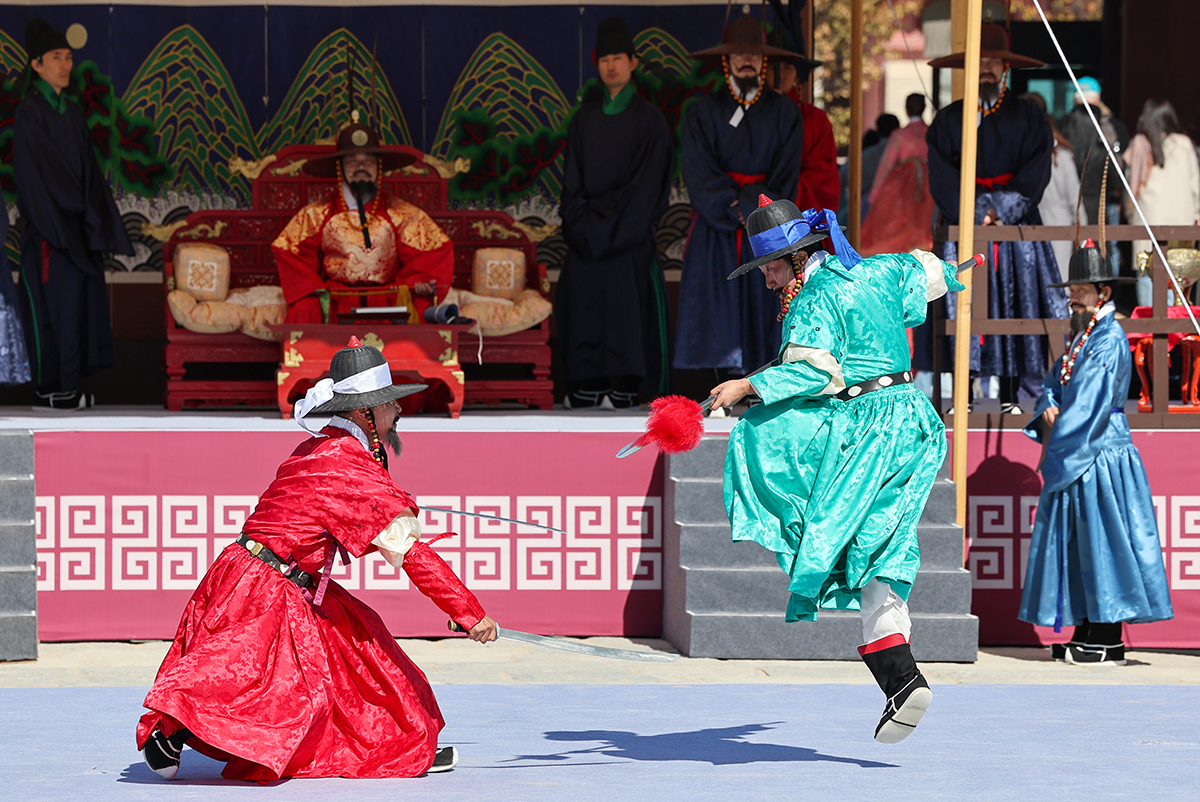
(445, 760)
(75, 399)
(1058, 651)
(587, 399)
(162, 753)
(903, 711)
(1091, 654)
(623, 400)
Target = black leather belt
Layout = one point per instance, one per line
(288, 570)
(878, 383)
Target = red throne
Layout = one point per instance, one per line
(278, 193)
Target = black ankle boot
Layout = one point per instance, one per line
(908, 694)
(1058, 651)
(162, 753)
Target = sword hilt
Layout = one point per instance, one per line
(454, 626)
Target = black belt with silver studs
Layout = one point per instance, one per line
(878, 383)
(288, 570)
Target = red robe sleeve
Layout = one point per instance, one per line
(433, 577)
(819, 186)
(297, 256)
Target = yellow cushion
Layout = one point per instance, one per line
(202, 270)
(499, 273)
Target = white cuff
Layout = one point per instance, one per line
(820, 359)
(397, 538)
(935, 274)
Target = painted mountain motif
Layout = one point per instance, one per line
(318, 104)
(659, 47)
(508, 116)
(201, 122)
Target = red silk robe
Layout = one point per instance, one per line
(265, 681)
(322, 251)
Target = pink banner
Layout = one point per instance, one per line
(129, 521)
(1002, 496)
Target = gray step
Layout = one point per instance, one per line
(833, 636)
(18, 545)
(17, 499)
(705, 461)
(764, 590)
(709, 545)
(18, 589)
(16, 452)
(18, 636)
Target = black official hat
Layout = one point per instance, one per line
(1088, 266)
(359, 377)
(357, 138)
(41, 38)
(613, 36)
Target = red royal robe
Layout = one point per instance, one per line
(265, 681)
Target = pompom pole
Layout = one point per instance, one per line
(675, 425)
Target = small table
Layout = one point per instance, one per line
(423, 352)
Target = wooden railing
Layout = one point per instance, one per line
(1159, 326)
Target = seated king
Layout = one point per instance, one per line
(361, 248)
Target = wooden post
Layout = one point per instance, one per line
(966, 246)
(856, 120)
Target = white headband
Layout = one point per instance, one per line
(375, 378)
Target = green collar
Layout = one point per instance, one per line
(57, 100)
(618, 104)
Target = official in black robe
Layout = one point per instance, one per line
(611, 301)
(71, 221)
(1012, 171)
(734, 149)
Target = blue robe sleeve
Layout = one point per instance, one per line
(1087, 403)
(711, 192)
(943, 162)
(1051, 397)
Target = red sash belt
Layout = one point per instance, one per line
(995, 182)
(744, 180)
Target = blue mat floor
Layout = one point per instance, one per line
(649, 742)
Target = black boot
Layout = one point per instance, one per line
(908, 694)
(1079, 637)
(162, 753)
(1102, 647)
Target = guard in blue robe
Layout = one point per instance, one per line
(1094, 558)
(1012, 170)
(735, 148)
(71, 222)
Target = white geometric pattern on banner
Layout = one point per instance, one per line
(589, 542)
(637, 567)
(81, 560)
(185, 541)
(150, 543)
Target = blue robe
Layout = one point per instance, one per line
(1095, 552)
(731, 324)
(1014, 154)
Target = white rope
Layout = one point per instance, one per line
(1120, 173)
(911, 57)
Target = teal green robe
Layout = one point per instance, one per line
(835, 488)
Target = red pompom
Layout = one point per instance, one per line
(676, 424)
(354, 343)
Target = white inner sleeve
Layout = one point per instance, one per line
(397, 538)
(820, 359)
(935, 276)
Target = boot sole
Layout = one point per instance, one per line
(907, 717)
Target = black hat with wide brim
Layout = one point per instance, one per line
(1088, 266)
(778, 222)
(993, 43)
(745, 35)
(354, 139)
(366, 365)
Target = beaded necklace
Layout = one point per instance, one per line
(762, 82)
(376, 448)
(1000, 98)
(1068, 364)
(786, 296)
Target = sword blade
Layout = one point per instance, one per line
(584, 648)
(492, 518)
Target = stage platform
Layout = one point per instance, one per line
(134, 503)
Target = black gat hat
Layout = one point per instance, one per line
(1088, 266)
(359, 377)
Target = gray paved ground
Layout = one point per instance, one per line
(458, 661)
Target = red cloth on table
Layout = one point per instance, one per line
(265, 681)
(1172, 312)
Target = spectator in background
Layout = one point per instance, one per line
(1164, 176)
(1012, 170)
(611, 304)
(14, 362)
(1061, 198)
(874, 143)
(901, 208)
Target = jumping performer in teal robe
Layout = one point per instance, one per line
(832, 471)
